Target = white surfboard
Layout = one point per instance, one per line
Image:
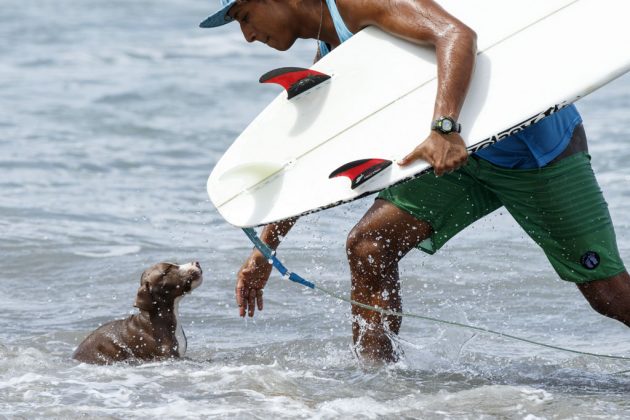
(535, 56)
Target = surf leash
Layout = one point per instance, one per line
(270, 255)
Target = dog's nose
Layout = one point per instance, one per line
(198, 265)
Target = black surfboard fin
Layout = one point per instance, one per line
(295, 80)
(359, 171)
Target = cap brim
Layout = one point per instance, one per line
(219, 18)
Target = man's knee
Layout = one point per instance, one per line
(386, 245)
(366, 258)
(361, 245)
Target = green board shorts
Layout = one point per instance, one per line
(560, 206)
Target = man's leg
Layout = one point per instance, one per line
(610, 297)
(425, 213)
(562, 208)
(382, 237)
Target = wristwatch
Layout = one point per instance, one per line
(446, 125)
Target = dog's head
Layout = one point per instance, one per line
(161, 284)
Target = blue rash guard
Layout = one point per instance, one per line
(533, 147)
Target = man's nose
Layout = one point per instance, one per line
(248, 32)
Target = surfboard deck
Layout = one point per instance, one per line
(535, 56)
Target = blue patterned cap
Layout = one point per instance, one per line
(220, 17)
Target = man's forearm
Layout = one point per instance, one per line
(273, 233)
(456, 54)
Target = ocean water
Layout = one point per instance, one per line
(112, 114)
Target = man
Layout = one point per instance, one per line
(542, 175)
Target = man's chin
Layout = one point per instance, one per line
(281, 47)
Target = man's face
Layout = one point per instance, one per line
(267, 21)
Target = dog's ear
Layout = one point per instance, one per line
(144, 300)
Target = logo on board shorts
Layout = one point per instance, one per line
(590, 260)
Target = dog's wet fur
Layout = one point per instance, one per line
(155, 332)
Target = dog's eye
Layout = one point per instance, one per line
(166, 269)
(170, 266)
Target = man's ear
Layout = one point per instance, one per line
(144, 301)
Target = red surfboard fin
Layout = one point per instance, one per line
(360, 171)
(295, 80)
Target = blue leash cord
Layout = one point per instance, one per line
(270, 255)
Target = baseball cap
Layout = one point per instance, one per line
(220, 17)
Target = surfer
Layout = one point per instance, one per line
(541, 175)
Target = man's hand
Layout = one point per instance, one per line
(250, 281)
(445, 152)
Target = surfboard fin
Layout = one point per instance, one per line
(360, 171)
(295, 80)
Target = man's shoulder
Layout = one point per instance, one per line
(358, 14)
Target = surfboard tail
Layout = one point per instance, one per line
(295, 80)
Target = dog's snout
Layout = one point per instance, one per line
(196, 264)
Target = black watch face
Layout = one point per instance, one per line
(447, 126)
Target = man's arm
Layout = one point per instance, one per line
(253, 275)
(425, 22)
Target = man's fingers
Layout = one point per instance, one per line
(439, 168)
(250, 301)
(404, 161)
(452, 166)
(240, 301)
(237, 295)
(408, 159)
(259, 299)
(419, 153)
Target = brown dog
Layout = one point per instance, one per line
(154, 333)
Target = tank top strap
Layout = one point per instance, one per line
(342, 30)
(340, 27)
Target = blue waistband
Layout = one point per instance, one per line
(536, 145)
